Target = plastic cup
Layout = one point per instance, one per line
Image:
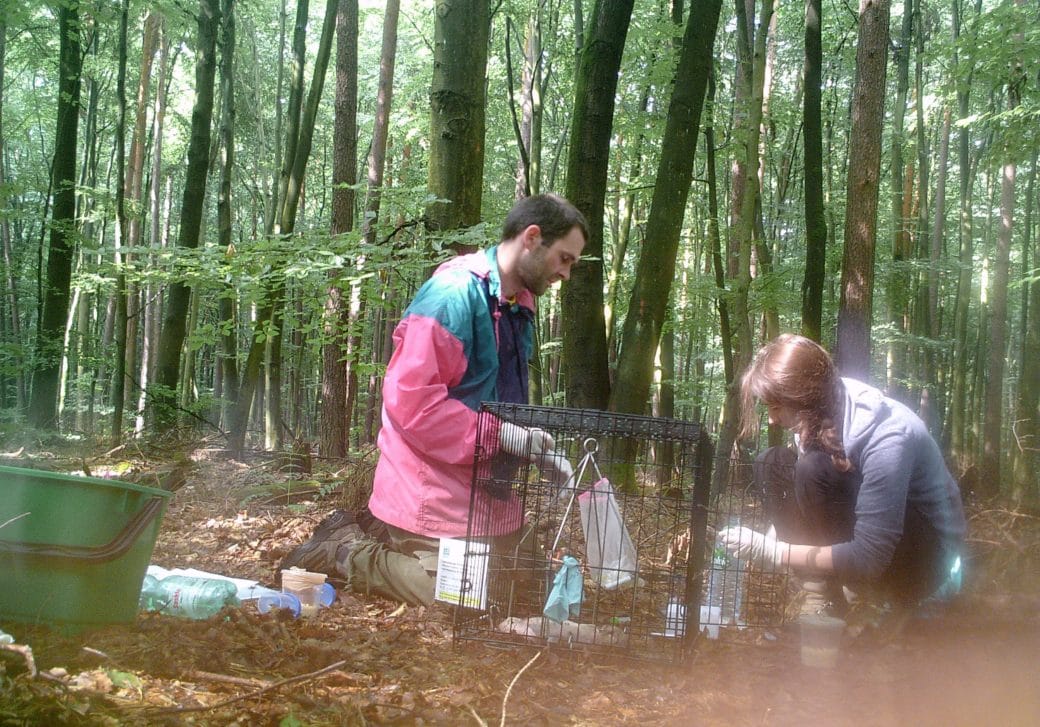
(711, 619)
(279, 599)
(821, 640)
(308, 587)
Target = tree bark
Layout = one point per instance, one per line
(958, 420)
(228, 345)
(335, 413)
(1025, 450)
(655, 269)
(457, 107)
(899, 280)
(43, 408)
(991, 464)
(815, 217)
(193, 202)
(157, 211)
(119, 373)
(11, 291)
(857, 274)
(134, 184)
(583, 326)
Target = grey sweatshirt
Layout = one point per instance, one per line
(901, 464)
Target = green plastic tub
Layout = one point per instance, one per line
(73, 550)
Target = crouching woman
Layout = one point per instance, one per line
(866, 500)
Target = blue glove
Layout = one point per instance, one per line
(565, 597)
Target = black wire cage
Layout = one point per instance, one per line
(606, 555)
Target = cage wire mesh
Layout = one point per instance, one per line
(639, 522)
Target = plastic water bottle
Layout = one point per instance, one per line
(726, 582)
(187, 596)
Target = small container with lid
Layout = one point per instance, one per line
(310, 588)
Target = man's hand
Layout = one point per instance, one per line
(555, 467)
(526, 443)
(762, 548)
(538, 447)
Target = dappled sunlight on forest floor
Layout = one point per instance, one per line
(365, 660)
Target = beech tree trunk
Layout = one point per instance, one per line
(959, 419)
(119, 373)
(193, 203)
(655, 270)
(43, 408)
(583, 324)
(815, 217)
(899, 282)
(335, 415)
(857, 273)
(227, 357)
(457, 107)
(11, 291)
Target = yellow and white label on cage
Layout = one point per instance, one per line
(462, 571)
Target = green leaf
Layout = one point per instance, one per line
(124, 679)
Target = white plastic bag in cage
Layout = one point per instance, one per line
(609, 553)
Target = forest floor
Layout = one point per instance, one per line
(369, 661)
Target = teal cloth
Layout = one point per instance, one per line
(565, 597)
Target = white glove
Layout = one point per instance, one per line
(526, 443)
(762, 548)
(555, 467)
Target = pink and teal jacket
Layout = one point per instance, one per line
(445, 363)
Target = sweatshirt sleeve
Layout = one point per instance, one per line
(886, 464)
(427, 360)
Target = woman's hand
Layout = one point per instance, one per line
(762, 548)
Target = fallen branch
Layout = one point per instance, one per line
(509, 689)
(256, 693)
(228, 679)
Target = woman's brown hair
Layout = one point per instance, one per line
(797, 373)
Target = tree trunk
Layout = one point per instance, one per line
(584, 332)
(43, 409)
(990, 468)
(335, 414)
(815, 219)
(924, 373)
(857, 273)
(529, 168)
(1025, 450)
(157, 211)
(274, 203)
(193, 200)
(937, 248)
(134, 184)
(457, 106)
(119, 373)
(11, 291)
(655, 269)
(958, 420)
(899, 279)
(227, 356)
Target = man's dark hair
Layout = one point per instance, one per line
(552, 213)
